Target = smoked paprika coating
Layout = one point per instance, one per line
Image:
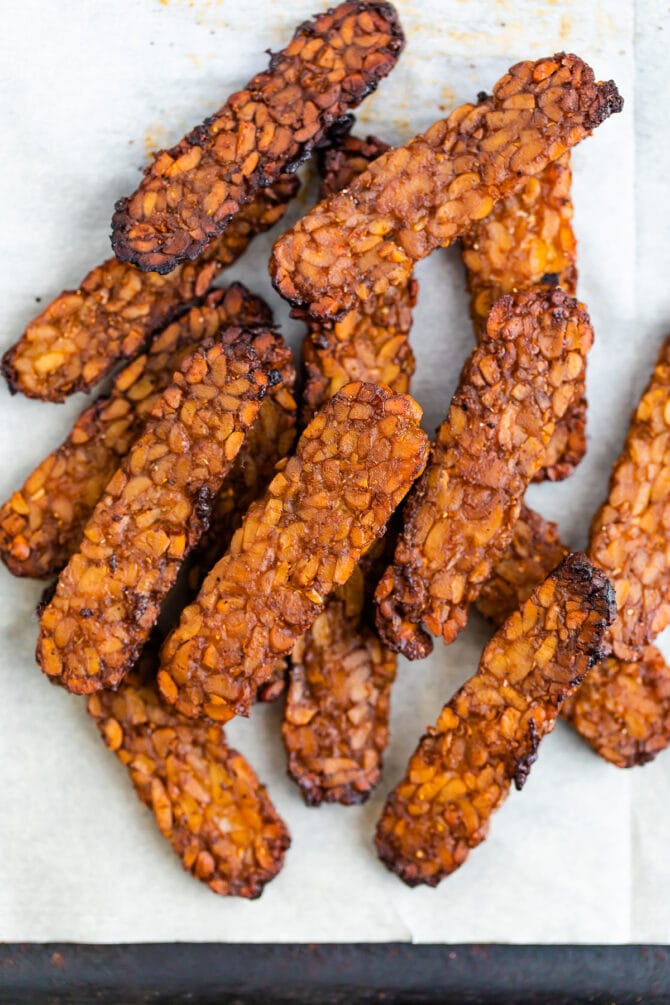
(371, 342)
(629, 538)
(623, 709)
(152, 514)
(460, 516)
(336, 717)
(79, 337)
(488, 735)
(528, 240)
(423, 195)
(353, 464)
(205, 797)
(41, 525)
(191, 192)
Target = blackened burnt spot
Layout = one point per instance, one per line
(46, 598)
(203, 505)
(549, 279)
(524, 764)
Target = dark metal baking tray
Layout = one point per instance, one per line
(391, 973)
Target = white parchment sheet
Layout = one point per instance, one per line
(86, 91)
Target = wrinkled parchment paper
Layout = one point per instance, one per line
(88, 91)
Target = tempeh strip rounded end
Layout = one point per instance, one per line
(623, 709)
(205, 797)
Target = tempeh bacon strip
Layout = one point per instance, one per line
(152, 514)
(79, 337)
(528, 240)
(423, 195)
(353, 464)
(488, 735)
(622, 709)
(336, 720)
(42, 523)
(630, 536)
(336, 717)
(460, 516)
(205, 797)
(190, 193)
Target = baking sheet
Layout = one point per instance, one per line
(580, 856)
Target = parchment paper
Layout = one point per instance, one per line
(581, 855)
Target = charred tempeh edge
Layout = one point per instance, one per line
(423, 195)
(152, 514)
(336, 717)
(79, 337)
(41, 525)
(205, 797)
(525, 241)
(488, 735)
(460, 516)
(191, 192)
(353, 464)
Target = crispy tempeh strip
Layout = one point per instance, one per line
(41, 524)
(527, 240)
(337, 708)
(460, 516)
(77, 339)
(488, 735)
(353, 465)
(423, 195)
(630, 536)
(622, 709)
(152, 514)
(205, 797)
(191, 192)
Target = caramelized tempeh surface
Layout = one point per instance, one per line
(629, 537)
(338, 703)
(423, 195)
(525, 241)
(460, 516)
(353, 464)
(190, 193)
(79, 337)
(152, 514)
(41, 525)
(205, 797)
(488, 735)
